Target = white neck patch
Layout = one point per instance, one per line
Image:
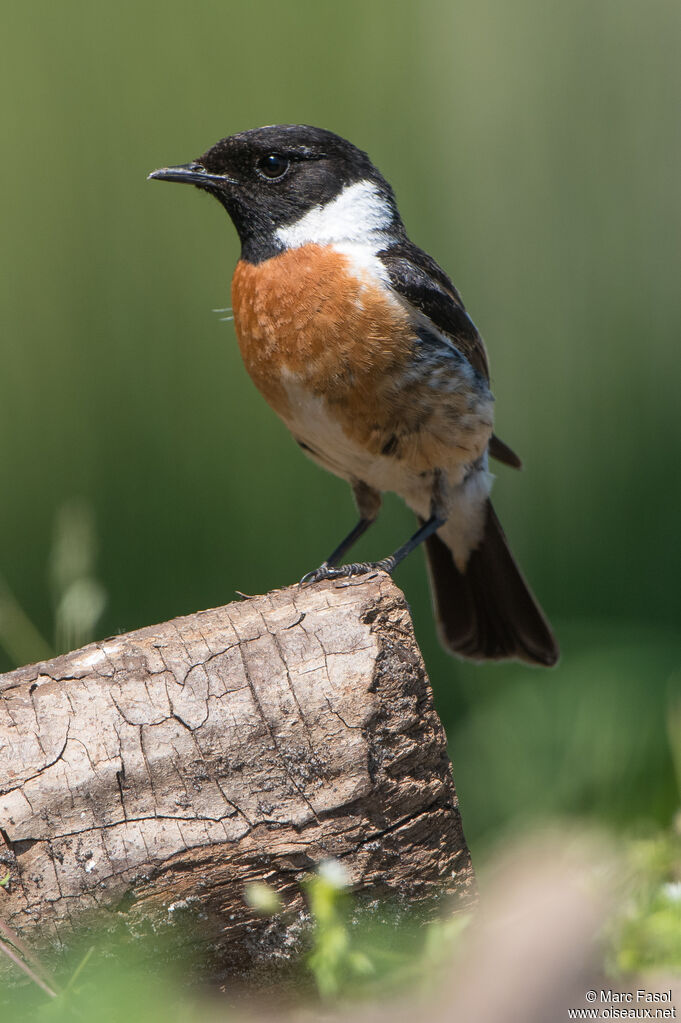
(358, 214)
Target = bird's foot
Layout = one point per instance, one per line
(327, 571)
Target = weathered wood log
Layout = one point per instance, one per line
(169, 767)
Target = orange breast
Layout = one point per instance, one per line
(306, 316)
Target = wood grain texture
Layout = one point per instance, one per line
(168, 767)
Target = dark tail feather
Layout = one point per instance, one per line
(488, 611)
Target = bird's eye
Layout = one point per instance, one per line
(273, 165)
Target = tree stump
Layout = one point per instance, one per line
(165, 769)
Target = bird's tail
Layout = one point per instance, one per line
(487, 612)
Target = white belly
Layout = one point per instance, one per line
(312, 423)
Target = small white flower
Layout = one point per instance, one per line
(334, 873)
(672, 891)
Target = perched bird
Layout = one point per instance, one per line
(362, 345)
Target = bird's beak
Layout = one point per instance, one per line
(190, 174)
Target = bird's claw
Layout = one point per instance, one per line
(323, 572)
(326, 571)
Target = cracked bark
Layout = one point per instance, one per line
(168, 767)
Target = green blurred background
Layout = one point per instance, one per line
(534, 148)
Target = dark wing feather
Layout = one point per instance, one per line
(503, 453)
(416, 276)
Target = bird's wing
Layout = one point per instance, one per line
(418, 279)
(415, 276)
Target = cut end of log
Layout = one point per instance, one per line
(166, 769)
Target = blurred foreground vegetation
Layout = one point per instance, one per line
(355, 955)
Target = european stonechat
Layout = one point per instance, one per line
(362, 345)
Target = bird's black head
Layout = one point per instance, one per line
(289, 184)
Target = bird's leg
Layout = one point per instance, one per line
(368, 503)
(437, 518)
(388, 564)
(429, 527)
(349, 541)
